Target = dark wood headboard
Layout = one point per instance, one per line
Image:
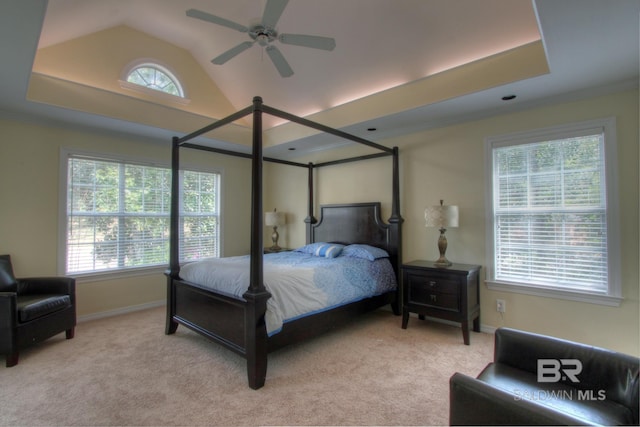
(356, 223)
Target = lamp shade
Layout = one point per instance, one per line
(441, 216)
(274, 219)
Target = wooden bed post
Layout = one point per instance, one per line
(395, 221)
(174, 236)
(395, 203)
(310, 219)
(257, 295)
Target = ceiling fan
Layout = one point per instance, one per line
(265, 34)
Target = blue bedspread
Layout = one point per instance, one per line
(300, 284)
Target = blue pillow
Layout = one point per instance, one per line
(364, 251)
(310, 248)
(322, 249)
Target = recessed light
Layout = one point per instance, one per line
(508, 97)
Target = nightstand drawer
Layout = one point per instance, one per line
(433, 283)
(427, 297)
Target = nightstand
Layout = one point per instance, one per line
(273, 251)
(450, 293)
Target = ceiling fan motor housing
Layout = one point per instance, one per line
(263, 35)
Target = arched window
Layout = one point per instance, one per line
(156, 77)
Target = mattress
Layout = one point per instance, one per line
(300, 283)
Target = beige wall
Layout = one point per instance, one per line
(100, 59)
(444, 163)
(448, 163)
(85, 74)
(29, 185)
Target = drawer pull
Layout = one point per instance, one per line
(433, 298)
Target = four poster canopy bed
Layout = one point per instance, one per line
(259, 303)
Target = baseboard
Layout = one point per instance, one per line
(488, 329)
(120, 311)
(483, 328)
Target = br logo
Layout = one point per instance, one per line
(554, 370)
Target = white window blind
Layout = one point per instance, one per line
(118, 215)
(550, 213)
(199, 219)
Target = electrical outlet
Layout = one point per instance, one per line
(501, 306)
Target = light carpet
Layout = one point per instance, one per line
(125, 371)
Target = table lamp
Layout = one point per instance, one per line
(442, 217)
(274, 219)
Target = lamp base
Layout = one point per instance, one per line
(442, 247)
(442, 262)
(274, 239)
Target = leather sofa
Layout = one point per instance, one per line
(541, 380)
(33, 310)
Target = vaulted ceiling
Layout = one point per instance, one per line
(398, 66)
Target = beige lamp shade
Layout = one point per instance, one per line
(441, 216)
(274, 219)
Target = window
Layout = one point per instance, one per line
(117, 215)
(553, 212)
(156, 77)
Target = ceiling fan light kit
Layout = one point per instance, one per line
(265, 35)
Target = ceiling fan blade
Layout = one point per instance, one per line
(278, 60)
(198, 14)
(272, 12)
(316, 42)
(224, 57)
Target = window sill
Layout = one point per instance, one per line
(118, 274)
(154, 93)
(538, 291)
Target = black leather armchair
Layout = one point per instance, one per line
(541, 380)
(33, 310)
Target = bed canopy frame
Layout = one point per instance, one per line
(256, 343)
